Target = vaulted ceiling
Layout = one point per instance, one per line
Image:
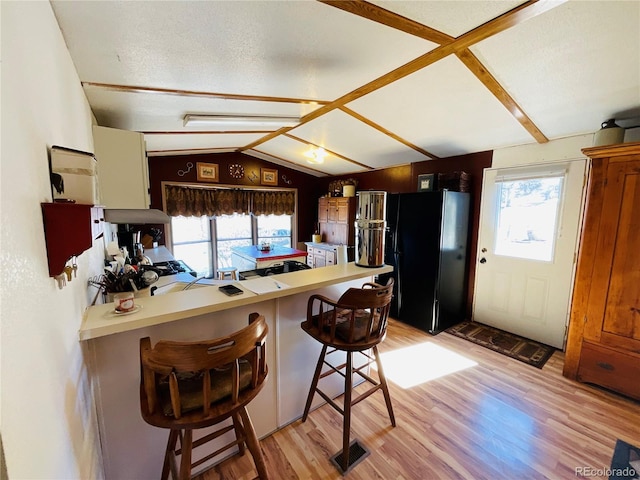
(376, 84)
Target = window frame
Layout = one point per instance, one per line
(213, 233)
(508, 175)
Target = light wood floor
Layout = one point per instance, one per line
(500, 419)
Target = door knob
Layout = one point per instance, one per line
(483, 260)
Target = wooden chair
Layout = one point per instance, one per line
(357, 322)
(191, 385)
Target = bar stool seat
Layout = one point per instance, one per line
(232, 272)
(187, 386)
(356, 323)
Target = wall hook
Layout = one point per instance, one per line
(182, 173)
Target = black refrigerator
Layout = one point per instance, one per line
(426, 243)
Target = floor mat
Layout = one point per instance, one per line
(514, 346)
(625, 463)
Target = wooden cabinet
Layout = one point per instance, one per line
(336, 217)
(320, 255)
(604, 333)
(323, 210)
(123, 176)
(69, 230)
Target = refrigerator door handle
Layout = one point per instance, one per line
(398, 281)
(435, 324)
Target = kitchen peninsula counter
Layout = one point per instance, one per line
(100, 320)
(133, 449)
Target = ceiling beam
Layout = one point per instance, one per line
(293, 164)
(391, 19)
(380, 128)
(499, 24)
(489, 81)
(337, 155)
(193, 93)
(181, 151)
(205, 132)
(385, 17)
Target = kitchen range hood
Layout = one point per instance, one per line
(135, 216)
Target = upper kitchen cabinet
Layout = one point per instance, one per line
(123, 175)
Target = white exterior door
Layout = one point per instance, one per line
(529, 224)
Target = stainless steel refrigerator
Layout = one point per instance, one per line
(426, 243)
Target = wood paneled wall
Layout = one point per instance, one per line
(169, 168)
(400, 179)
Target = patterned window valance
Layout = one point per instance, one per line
(188, 201)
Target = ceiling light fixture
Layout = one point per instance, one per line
(315, 155)
(236, 122)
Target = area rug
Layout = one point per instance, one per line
(625, 463)
(514, 346)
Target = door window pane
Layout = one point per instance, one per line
(527, 217)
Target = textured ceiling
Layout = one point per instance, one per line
(376, 84)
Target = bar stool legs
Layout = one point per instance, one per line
(346, 427)
(349, 402)
(254, 445)
(356, 322)
(314, 383)
(384, 386)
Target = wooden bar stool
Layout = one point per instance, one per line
(232, 272)
(357, 322)
(192, 385)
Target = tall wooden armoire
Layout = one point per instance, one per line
(603, 347)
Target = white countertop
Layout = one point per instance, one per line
(101, 320)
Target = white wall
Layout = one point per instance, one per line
(48, 424)
(563, 149)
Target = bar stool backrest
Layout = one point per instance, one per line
(194, 384)
(356, 321)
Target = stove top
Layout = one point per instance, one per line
(170, 267)
(286, 267)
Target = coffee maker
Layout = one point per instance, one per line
(128, 237)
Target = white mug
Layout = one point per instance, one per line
(124, 301)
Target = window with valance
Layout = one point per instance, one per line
(196, 201)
